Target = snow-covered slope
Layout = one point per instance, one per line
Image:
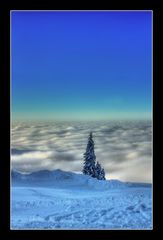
(59, 178)
(65, 200)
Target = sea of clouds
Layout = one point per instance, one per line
(124, 148)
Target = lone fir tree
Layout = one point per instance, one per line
(90, 166)
(90, 158)
(100, 173)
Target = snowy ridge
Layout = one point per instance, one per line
(62, 178)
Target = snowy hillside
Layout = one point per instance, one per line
(59, 178)
(65, 200)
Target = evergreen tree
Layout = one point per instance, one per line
(90, 166)
(90, 158)
(98, 170)
(100, 173)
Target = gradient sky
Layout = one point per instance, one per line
(81, 65)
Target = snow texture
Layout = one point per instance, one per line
(65, 200)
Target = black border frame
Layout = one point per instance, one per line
(5, 8)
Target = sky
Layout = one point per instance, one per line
(84, 65)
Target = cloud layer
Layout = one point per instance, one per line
(122, 147)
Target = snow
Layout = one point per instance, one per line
(65, 200)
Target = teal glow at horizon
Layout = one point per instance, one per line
(81, 65)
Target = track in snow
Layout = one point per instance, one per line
(73, 208)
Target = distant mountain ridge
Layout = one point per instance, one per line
(64, 178)
(42, 175)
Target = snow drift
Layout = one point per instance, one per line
(63, 178)
(65, 200)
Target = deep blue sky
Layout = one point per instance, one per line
(81, 65)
